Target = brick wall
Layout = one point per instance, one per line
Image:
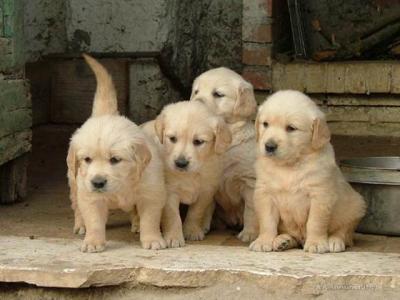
(257, 42)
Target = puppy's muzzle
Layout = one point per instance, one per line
(202, 100)
(271, 147)
(99, 183)
(181, 163)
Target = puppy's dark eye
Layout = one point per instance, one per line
(114, 160)
(198, 142)
(265, 124)
(88, 160)
(217, 94)
(173, 139)
(196, 92)
(290, 128)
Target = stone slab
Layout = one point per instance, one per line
(59, 263)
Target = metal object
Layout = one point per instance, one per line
(296, 22)
(377, 179)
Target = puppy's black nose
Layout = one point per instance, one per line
(181, 163)
(270, 147)
(99, 182)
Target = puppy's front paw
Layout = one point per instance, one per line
(336, 244)
(193, 233)
(247, 235)
(316, 246)
(154, 244)
(261, 245)
(283, 242)
(93, 246)
(175, 241)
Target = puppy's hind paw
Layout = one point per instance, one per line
(193, 234)
(81, 230)
(155, 244)
(336, 244)
(283, 242)
(261, 245)
(247, 236)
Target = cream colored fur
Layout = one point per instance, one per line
(230, 96)
(178, 128)
(301, 197)
(111, 150)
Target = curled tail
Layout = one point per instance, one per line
(105, 100)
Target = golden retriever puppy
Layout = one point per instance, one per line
(192, 139)
(301, 197)
(112, 164)
(230, 96)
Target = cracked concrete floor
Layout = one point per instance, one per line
(46, 213)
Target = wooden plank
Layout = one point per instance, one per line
(315, 77)
(335, 78)
(39, 78)
(14, 145)
(363, 113)
(362, 77)
(365, 129)
(13, 180)
(395, 84)
(357, 100)
(73, 86)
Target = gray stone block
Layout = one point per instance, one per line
(149, 90)
(117, 26)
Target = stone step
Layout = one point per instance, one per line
(59, 263)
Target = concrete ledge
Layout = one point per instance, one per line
(58, 263)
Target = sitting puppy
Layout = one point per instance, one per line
(230, 96)
(113, 164)
(301, 197)
(192, 139)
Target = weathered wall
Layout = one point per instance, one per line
(44, 27)
(117, 26)
(149, 90)
(186, 37)
(204, 34)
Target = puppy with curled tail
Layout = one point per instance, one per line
(112, 164)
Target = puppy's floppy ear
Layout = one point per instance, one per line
(245, 105)
(320, 134)
(223, 136)
(192, 95)
(72, 163)
(142, 156)
(159, 126)
(257, 126)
